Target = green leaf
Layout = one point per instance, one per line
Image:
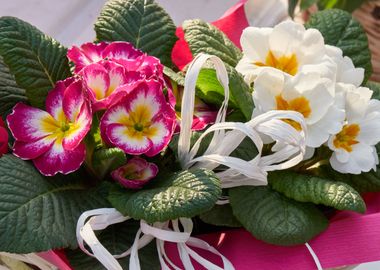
(10, 93)
(142, 22)
(117, 239)
(183, 194)
(220, 215)
(107, 160)
(340, 29)
(292, 7)
(211, 91)
(206, 38)
(375, 87)
(348, 5)
(174, 76)
(305, 4)
(241, 92)
(274, 218)
(36, 60)
(309, 188)
(39, 213)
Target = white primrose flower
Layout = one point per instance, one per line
(354, 145)
(346, 71)
(306, 93)
(288, 47)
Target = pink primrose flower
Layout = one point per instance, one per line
(141, 123)
(136, 173)
(53, 138)
(3, 138)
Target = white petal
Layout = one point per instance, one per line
(254, 42)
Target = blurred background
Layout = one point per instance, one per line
(71, 22)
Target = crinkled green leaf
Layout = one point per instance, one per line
(309, 188)
(340, 29)
(220, 215)
(174, 76)
(116, 239)
(39, 213)
(204, 37)
(142, 22)
(36, 60)
(274, 218)
(183, 194)
(210, 90)
(10, 92)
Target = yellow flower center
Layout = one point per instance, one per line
(286, 63)
(300, 104)
(58, 129)
(139, 123)
(347, 137)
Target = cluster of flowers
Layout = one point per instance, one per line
(293, 69)
(122, 84)
(290, 67)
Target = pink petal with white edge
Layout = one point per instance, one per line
(150, 93)
(119, 136)
(55, 97)
(58, 160)
(164, 128)
(26, 123)
(121, 50)
(97, 80)
(79, 129)
(88, 53)
(143, 170)
(73, 100)
(32, 150)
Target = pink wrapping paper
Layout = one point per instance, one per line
(350, 239)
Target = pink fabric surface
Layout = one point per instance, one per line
(231, 23)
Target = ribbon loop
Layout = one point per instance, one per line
(227, 136)
(99, 219)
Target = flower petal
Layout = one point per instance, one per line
(97, 80)
(3, 139)
(29, 124)
(160, 133)
(55, 98)
(32, 150)
(130, 142)
(79, 129)
(73, 100)
(58, 160)
(121, 50)
(86, 54)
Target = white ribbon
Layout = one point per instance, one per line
(288, 150)
(29, 258)
(99, 219)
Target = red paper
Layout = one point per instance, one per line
(232, 23)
